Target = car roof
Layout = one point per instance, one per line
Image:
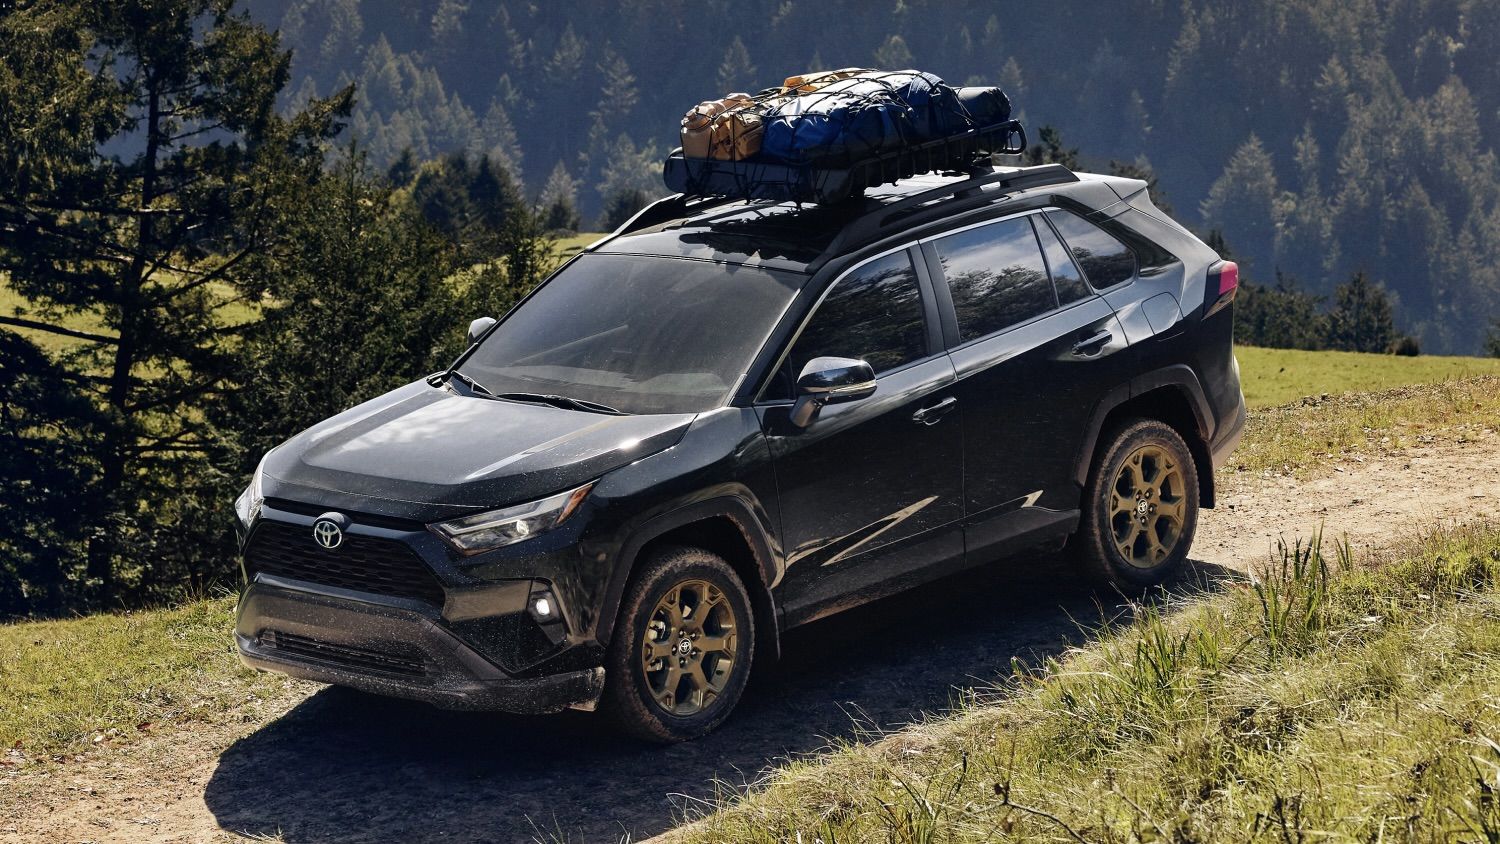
(802, 237)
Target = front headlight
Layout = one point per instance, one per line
(247, 506)
(498, 528)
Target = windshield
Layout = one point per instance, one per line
(641, 334)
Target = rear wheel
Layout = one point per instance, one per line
(681, 651)
(1140, 509)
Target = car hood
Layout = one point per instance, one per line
(426, 445)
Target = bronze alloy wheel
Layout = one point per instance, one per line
(1147, 506)
(681, 652)
(688, 649)
(1140, 507)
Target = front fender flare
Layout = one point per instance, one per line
(741, 514)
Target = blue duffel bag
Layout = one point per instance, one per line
(874, 112)
(935, 107)
(837, 125)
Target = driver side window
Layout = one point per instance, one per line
(873, 314)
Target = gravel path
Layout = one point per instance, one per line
(338, 766)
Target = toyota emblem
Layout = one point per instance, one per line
(327, 533)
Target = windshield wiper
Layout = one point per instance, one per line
(474, 386)
(567, 402)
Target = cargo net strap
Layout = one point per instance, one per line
(824, 136)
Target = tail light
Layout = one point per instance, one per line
(1223, 281)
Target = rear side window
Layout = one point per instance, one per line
(1105, 260)
(996, 275)
(873, 314)
(1065, 275)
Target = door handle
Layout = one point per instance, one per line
(1093, 345)
(932, 413)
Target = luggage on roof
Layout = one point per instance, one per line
(824, 136)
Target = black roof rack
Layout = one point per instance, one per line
(835, 180)
(868, 218)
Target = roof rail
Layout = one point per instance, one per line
(871, 226)
(675, 207)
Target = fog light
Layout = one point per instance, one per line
(543, 607)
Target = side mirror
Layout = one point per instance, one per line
(478, 327)
(830, 381)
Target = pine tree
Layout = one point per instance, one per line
(559, 201)
(618, 94)
(736, 73)
(1050, 150)
(893, 54)
(1280, 317)
(567, 58)
(146, 174)
(631, 178)
(1361, 319)
(500, 140)
(403, 169)
(361, 305)
(1243, 203)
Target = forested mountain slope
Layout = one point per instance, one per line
(1322, 136)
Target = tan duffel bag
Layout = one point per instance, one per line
(809, 82)
(736, 134)
(698, 124)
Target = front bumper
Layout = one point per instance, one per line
(390, 647)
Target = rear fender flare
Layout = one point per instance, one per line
(1177, 377)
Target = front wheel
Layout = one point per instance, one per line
(681, 651)
(1140, 508)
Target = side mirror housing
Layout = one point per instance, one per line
(830, 381)
(478, 327)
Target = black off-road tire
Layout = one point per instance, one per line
(633, 695)
(1121, 476)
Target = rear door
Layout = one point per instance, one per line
(1034, 349)
(871, 490)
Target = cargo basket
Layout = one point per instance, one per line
(828, 181)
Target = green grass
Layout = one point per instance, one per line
(14, 305)
(1271, 377)
(1323, 701)
(64, 683)
(567, 247)
(1309, 437)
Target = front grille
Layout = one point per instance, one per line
(406, 663)
(366, 563)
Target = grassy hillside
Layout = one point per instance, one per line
(67, 684)
(1271, 377)
(1323, 701)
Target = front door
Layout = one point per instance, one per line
(871, 491)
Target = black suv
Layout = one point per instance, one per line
(733, 417)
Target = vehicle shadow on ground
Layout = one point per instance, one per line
(349, 767)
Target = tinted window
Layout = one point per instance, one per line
(645, 335)
(1105, 260)
(1065, 276)
(997, 277)
(873, 314)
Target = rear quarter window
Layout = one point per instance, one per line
(1104, 259)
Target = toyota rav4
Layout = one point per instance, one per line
(733, 417)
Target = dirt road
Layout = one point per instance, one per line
(337, 766)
